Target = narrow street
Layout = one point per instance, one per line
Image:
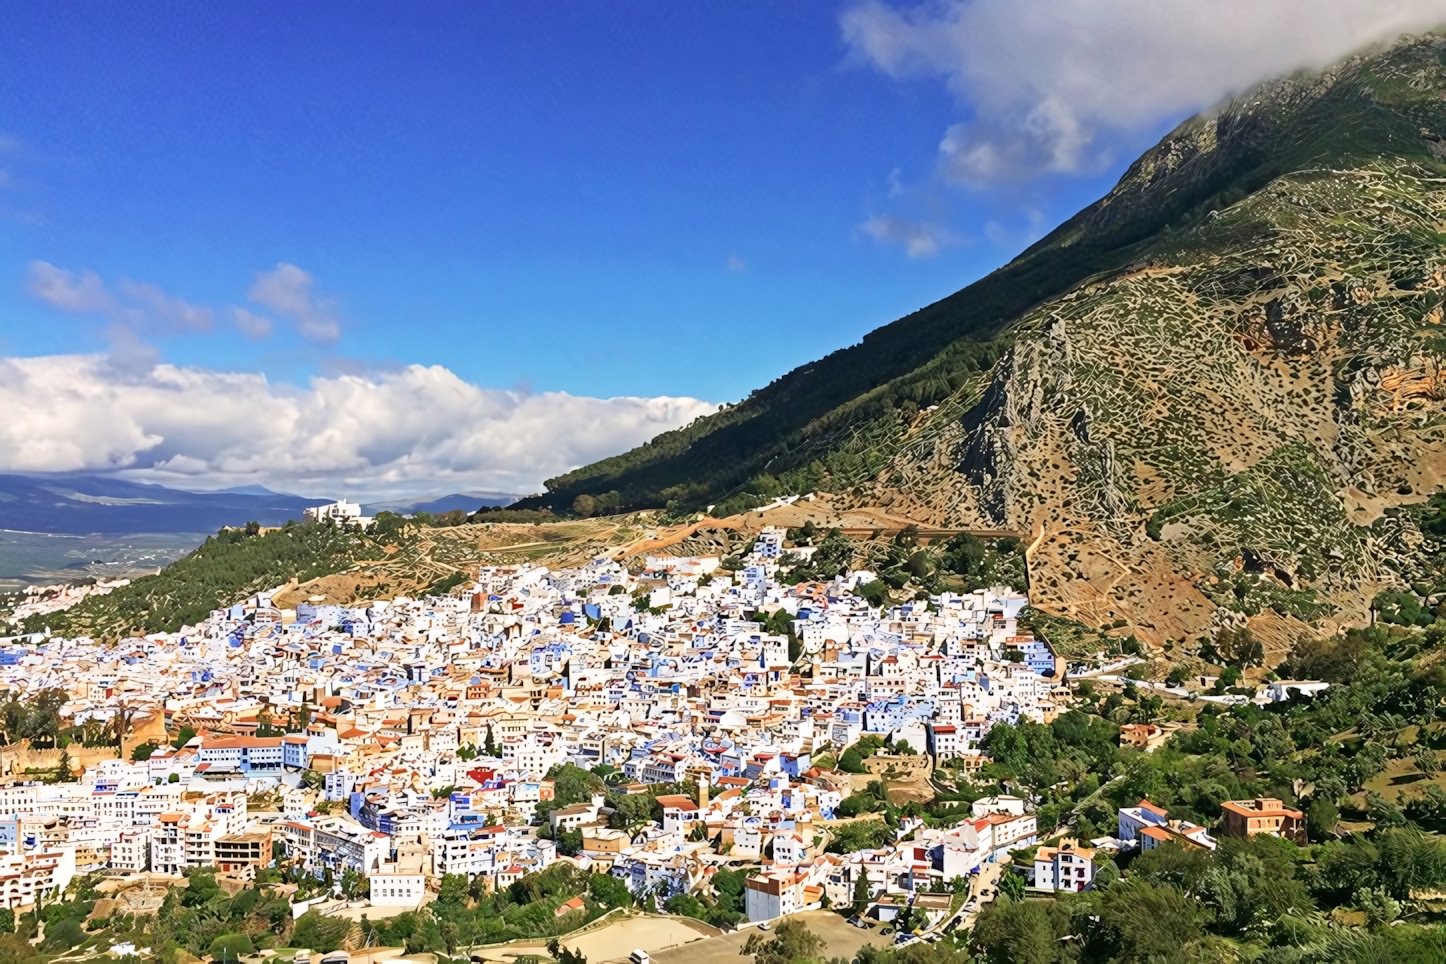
(987, 879)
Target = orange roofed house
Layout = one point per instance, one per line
(1247, 818)
(1143, 736)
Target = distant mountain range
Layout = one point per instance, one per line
(446, 503)
(85, 504)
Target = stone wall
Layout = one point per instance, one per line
(18, 758)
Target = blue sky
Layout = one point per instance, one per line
(603, 198)
(416, 248)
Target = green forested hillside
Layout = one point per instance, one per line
(1362, 762)
(227, 566)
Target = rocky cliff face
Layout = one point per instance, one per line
(1237, 424)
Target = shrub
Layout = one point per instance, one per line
(231, 946)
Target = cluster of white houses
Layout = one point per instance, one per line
(408, 739)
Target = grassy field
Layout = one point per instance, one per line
(1400, 778)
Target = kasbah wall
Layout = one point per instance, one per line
(18, 758)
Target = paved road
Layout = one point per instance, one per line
(986, 879)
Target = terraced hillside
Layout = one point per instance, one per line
(1218, 398)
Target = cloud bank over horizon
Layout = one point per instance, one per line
(1050, 86)
(417, 430)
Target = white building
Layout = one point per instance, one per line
(392, 889)
(945, 741)
(1003, 803)
(131, 850)
(768, 896)
(24, 876)
(338, 512)
(1134, 819)
(789, 850)
(338, 785)
(247, 755)
(1068, 867)
(1283, 689)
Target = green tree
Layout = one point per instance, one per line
(572, 784)
(561, 954)
(860, 835)
(1019, 932)
(1011, 885)
(1379, 907)
(1150, 921)
(862, 892)
(354, 885)
(631, 811)
(186, 735)
(1321, 819)
(611, 892)
(264, 726)
(452, 891)
(230, 947)
(792, 942)
(1410, 860)
(583, 506)
(729, 887)
(15, 949)
(318, 933)
(143, 751)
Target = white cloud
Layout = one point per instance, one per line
(253, 326)
(895, 182)
(137, 307)
(920, 239)
(170, 311)
(414, 430)
(289, 290)
(1044, 80)
(80, 292)
(736, 263)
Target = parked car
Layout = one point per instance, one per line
(763, 926)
